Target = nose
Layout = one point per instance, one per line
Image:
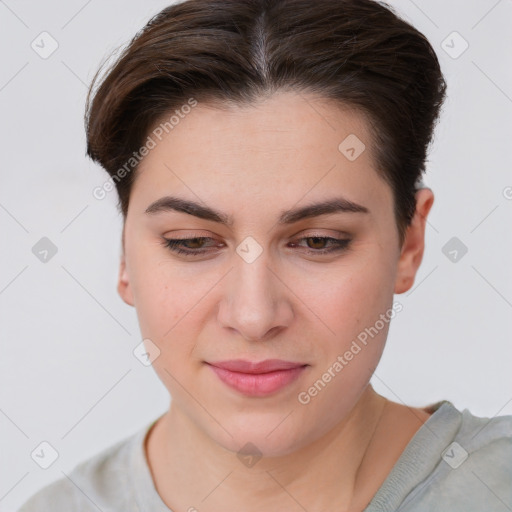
(255, 302)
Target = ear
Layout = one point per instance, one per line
(123, 285)
(414, 242)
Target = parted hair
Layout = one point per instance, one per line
(357, 53)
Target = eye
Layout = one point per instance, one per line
(187, 246)
(316, 245)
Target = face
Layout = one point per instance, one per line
(260, 276)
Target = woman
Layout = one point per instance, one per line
(266, 324)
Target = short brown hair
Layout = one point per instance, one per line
(358, 53)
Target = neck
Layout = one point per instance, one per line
(192, 470)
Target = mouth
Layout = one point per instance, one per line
(261, 378)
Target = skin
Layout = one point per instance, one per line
(334, 452)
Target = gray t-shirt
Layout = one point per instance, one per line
(455, 462)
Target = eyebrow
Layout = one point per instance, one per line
(334, 205)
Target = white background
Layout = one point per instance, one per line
(68, 373)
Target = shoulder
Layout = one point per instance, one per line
(96, 483)
(482, 430)
(55, 496)
(487, 441)
(488, 445)
(474, 471)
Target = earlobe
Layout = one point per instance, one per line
(123, 285)
(414, 242)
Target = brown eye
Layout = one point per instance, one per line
(193, 243)
(320, 244)
(188, 246)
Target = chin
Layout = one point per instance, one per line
(266, 435)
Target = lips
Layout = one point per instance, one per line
(257, 378)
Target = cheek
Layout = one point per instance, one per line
(165, 307)
(163, 293)
(351, 297)
(358, 309)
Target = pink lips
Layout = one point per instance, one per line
(257, 378)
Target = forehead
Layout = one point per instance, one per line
(272, 125)
(282, 149)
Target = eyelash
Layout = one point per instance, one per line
(176, 245)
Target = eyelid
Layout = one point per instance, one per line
(192, 233)
(337, 245)
(306, 233)
(323, 233)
